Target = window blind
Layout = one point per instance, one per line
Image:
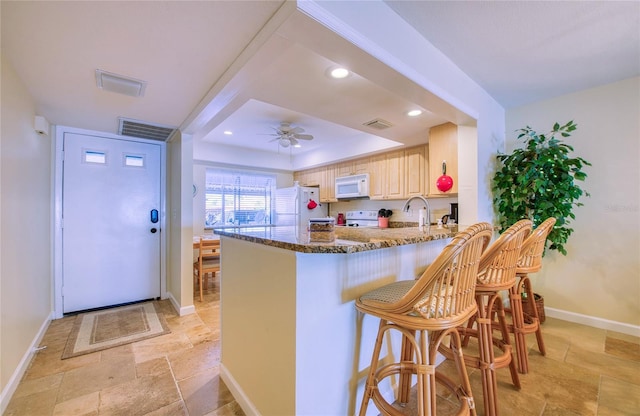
(238, 198)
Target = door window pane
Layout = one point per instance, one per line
(94, 156)
(134, 160)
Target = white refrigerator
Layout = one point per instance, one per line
(295, 205)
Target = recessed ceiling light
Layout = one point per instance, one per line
(339, 73)
(228, 132)
(414, 113)
(297, 145)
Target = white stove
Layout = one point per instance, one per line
(362, 218)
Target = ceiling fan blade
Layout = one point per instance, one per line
(274, 139)
(303, 136)
(296, 130)
(293, 141)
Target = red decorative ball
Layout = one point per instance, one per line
(444, 183)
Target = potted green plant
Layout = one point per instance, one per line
(538, 181)
(383, 217)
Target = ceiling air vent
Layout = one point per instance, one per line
(120, 84)
(378, 123)
(142, 130)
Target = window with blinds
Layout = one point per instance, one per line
(235, 198)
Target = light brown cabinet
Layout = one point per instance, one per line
(386, 176)
(327, 184)
(443, 146)
(352, 167)
(310, 177)
(415, 171)
(322, 177)
(397, 174)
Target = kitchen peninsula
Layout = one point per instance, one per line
(292, 340)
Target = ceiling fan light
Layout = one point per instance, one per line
(284, 142)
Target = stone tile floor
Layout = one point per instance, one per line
(586, 371)
(174, 374)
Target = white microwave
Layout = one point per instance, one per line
(354, 186)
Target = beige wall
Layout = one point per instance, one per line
(25, 228)
(180, 223)
(600, 276)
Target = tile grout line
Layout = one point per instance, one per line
(175, 382)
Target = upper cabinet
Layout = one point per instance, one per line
(327, 184)
(415, 167)
(352, 167)
(443, 147)
(323, 177)
(310, 177)
(398, 174)
(387, 176)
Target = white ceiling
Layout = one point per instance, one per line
(526, 51)
(204, 76)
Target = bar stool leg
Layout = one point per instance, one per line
(404, 387)
(505, 343)
(517, 316)
(370, 385)
(486, 356)
(455, 345)
(528, 289)
(488, 304)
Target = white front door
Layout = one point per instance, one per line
(110, 221)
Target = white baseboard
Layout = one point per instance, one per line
(17, 375)
(182, 310)
(235, 389)
(593, 321)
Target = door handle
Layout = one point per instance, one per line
(154, 230)
(154, 216)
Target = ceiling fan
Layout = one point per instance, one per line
(287, 135)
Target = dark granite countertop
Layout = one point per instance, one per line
(347, 239)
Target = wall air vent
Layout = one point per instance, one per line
(142, 130)
(378, 123)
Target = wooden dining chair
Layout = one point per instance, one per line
(208, 262)
(427, 311)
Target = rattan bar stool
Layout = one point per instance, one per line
(528, 322)
(425, 311)
(496, 273)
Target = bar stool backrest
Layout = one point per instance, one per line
(497, 269)
(533, 247)
(445, 291)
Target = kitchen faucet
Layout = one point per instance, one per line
(406, 206)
